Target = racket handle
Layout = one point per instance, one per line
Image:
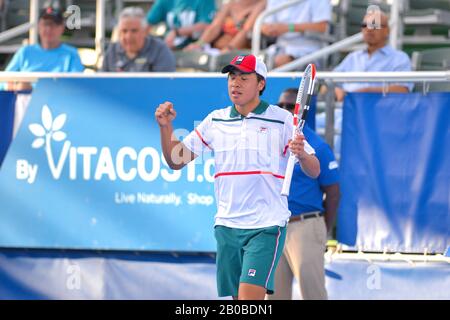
(288, 176)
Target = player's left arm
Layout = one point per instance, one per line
(308, 161)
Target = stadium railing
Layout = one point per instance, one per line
(328, 78)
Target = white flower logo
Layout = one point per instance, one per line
(50, 129)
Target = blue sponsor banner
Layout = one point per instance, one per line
(386, 280)
(395, 172)
(7, 103)
(55, 274)
(86, 168)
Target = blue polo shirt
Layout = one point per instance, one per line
(34, 58)
(305, 194)
(383, 59)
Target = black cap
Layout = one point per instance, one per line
(52, 13)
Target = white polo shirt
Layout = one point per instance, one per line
(309, 11)
(250, 156)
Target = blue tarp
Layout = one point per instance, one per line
(7, 104)
(395, 172)
(394, 168)
(53, 274)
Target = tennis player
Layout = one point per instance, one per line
(250, 141)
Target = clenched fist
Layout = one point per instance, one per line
(165, 113)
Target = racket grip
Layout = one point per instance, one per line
(288, 176)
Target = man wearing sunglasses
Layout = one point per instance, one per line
(378, 56)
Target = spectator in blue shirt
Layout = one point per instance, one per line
(50, 55)
(378, 56)
(311, 219)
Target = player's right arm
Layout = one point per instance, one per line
(177, 155)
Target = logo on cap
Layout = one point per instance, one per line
(239, 59)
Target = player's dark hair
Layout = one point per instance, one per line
(261, 78)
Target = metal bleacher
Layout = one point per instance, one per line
(424, 25)
(427, 22)
(432, 60)
(13, 13)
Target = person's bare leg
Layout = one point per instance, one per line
(249, 291)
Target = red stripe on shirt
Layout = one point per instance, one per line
(238, 173)
(285, 149)
(201, 138)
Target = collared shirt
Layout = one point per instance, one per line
(309, 11)
(250, 154)
(383, 59)
(155, 56)
(34, 58)
(306, 194)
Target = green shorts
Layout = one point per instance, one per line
(247, 255)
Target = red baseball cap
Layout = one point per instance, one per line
(247, 64)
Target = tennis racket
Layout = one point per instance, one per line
(305, 92)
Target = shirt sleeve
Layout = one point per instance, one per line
(329, 173)
(76, 65)
(200, 139)
(321, 11)
(106, 66)
(165, 61)
(157, 13)
(403, 63)
(344, 65)
(17, 61)
(14, 65)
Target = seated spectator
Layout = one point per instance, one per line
(232, 26)
(378, 56)
(289, 25)
(50, 55)
(136, 51)
(185, 19)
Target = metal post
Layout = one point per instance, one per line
(119, 7)
(330, 106)
(14, 32)
(345, 43)
(100, 28)
(396, 24)
(34, 17)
